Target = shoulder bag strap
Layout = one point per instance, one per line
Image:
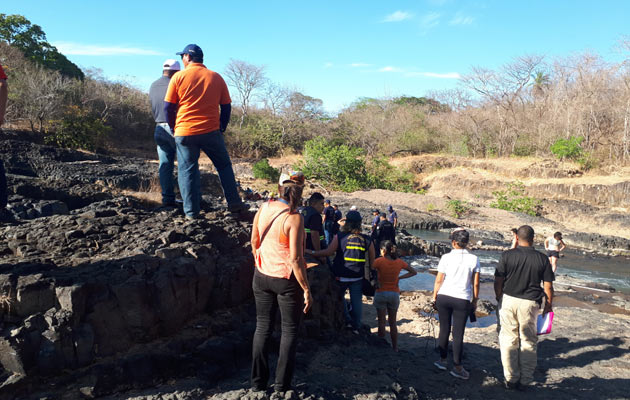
(262, 237)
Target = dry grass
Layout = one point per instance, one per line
(149, 192)
(5, 301)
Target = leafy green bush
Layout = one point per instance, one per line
(458, 208)
(569, 149)
(77, 129)
(340, 166)
(262, 170)
(346, 168)
(383, 175)
(514, 199)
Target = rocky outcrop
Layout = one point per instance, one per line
(604, 195)
(408, 218)
(117, 294)
(409, 245)
(534, 169)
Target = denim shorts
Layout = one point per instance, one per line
(390, 300)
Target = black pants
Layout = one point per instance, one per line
(3, 187)
(270, 294)
(458, 309)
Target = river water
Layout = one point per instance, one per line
(614, 271)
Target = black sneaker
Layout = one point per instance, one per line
(238, 207)
(512, 385)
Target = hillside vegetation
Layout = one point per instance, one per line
(575, 109)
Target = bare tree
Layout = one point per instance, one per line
(246, 78)
(275, 97)
(42, 95)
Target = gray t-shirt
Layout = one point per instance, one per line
(156, 94)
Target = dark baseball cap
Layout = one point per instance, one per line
(353, 216)
(192, 50)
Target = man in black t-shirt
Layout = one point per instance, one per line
(313, 227)
(384, 231)
(517, 286)
(329, 222)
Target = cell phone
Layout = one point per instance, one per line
(472, 316)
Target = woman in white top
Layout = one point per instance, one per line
(554, 245)
(455, 294)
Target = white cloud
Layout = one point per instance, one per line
(398, 16)
(328, 65)
(447, 75)
(360, 65)
(461, 19)
(69, 48)
(430, 20)
(389, 68)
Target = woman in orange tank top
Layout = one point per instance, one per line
(387, 296)
(279, 283)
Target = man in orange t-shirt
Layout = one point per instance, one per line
(4, 94)
(192, 103)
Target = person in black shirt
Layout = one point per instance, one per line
(313, 227)
(385, 231)
(329, 222)
(338, 216)
(517, 282)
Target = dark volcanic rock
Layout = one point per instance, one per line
(86, 275)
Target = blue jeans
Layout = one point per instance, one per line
(188, 150)
(166, 154)
(329, 231)
(356, 296)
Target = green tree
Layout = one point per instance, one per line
(262, 170)
(570, 148)
(340, 166)
(540, 84)
(31, 40)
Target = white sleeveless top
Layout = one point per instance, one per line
(554, 244)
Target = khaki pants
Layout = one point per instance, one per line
(518, 339)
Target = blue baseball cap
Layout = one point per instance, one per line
(353, 216)
(193, 50)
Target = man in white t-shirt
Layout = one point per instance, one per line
(455, 294)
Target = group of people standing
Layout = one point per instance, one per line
(286, 240)
(283, 239)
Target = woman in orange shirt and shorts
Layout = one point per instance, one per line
(387, 296)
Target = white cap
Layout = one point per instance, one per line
(353, 208)
(171, 65)
(283, 177)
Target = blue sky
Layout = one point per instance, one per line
(337, 51)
